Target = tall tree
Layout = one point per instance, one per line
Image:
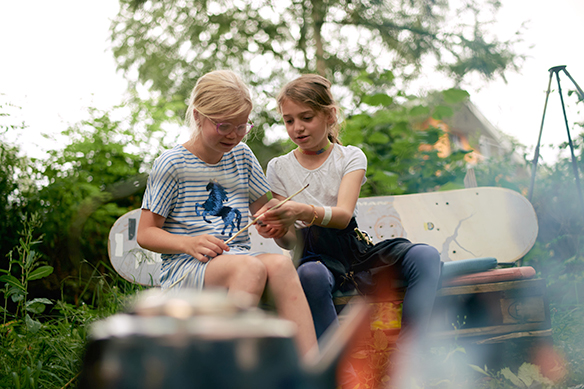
(167, 45)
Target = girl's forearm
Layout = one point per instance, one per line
(337, 217)
(288, 241)
(160, 241)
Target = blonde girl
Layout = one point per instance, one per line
(201, 192)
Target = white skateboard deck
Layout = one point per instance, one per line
(130, 260)
(461, 224)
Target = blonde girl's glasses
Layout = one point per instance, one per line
(227, 128)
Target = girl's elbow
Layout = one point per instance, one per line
(141, 239)
(344, 221)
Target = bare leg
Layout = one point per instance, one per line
(291, 302)
(237, 273)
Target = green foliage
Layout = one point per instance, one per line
(168, 45)
(559, 251)
(40, 349)
(568, 327)
(100, 175)
(400, 157)
(345, 38)
(528, 376)
(24, 328)
(16, 183)
(27, 265)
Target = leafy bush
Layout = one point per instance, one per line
(400, 156)
(45, 350)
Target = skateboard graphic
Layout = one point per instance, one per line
(461, 224)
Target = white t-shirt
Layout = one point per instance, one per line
(286, 176)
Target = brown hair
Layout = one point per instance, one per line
(314, 91)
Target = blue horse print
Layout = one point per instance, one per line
(213, 206)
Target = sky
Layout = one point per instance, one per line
(56, 62)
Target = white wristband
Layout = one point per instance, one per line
(328, 213)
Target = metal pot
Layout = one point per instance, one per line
(190, 339)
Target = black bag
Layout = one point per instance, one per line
(349, 255)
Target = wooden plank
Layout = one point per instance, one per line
(485, 331)
(516, 335)
(537, 285)
(524, 309)
(392, 335)
(491, 276)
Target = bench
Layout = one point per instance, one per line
(474, 229)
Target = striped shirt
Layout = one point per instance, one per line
(199, 198)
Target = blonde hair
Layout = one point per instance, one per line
(314, 91)
(219, 94)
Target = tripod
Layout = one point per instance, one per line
(556, 70)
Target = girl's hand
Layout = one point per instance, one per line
(270, 231)
(204, 247)
(282, 217)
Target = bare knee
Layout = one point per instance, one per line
(253, 269)
(279, 266)
(237, 272)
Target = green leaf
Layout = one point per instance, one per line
(37, 305)
(40, 272)
(35, 308)
(32, 325)
(400, 129)
(11, 280)
(385, 178)
(17, 297)
(453, 96)
(387, 76)
(378, 99)
(430, 136)
(419, 110)
(458, 155)
(529, 373)
(30, 259)
(478, 369)
(458, 349)
(41, 300)
(507, 373)
(441, 112)
(15, 380)
(15, 290)
(378, 138)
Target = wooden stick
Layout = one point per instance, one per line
(243, 229)
(271, 209)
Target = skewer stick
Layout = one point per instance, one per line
(271, 209)
(245, 228)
